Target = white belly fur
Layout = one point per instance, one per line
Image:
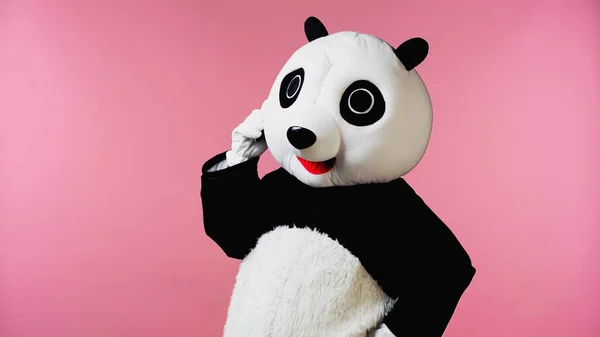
(298, 282)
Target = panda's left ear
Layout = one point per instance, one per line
(314, 29)
(412, 52)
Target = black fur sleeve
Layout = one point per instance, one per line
(231, 205)
(427, 270)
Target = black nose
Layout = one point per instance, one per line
(300, 137)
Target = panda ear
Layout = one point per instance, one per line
(412, 52)
(314, 29)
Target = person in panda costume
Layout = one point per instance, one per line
(335, 243)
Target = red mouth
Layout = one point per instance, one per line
(317, 167)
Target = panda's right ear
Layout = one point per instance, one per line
(314, 29)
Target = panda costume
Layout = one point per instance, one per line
(335, 243)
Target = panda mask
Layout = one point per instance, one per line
(348, 109)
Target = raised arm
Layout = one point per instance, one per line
(230, 205)
(232, 193)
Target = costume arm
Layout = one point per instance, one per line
(432, 273)
(231, 198)
(426, 308)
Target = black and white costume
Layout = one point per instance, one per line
(335, 243)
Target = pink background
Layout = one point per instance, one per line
(108, 110)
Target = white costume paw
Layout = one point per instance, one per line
(246, 141)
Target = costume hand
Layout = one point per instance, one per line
(381, 331)
(247, 140)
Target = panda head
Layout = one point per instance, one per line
(348, 109)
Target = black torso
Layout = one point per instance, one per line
(369, 220)
(336, 211)
(399, 240)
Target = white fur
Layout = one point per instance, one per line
(301, 283)
(380, 152)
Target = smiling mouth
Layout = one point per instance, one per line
(320, 167)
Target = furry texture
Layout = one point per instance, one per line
(299, 282)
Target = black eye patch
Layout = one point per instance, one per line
(290, 88)
(362, 103)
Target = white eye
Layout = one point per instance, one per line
(361, 101)
(294, 86)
